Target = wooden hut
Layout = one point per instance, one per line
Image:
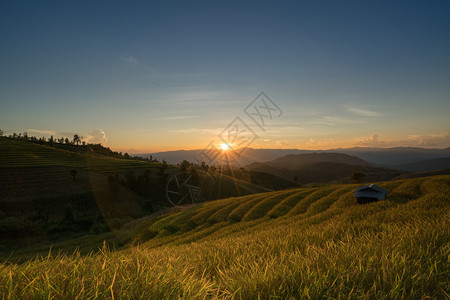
(370, 193)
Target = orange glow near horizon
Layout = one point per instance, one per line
(225, 147)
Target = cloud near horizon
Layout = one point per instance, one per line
(55, 133)
(94, 136)
(426, 141)
(97, 136)
(364, 112)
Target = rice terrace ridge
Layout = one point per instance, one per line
(224, 150)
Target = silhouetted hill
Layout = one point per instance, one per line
(427, 165)
(321, 167)
(272, 181)
(396, 156)
(424, 174)
(387, 157)
(248, 156)
(295, 161)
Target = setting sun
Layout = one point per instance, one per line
(225, 147)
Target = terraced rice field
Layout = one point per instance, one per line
(305, 243)
(16, 154)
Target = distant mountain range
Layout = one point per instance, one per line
(322, 167)
(427, 165)
(402, 158)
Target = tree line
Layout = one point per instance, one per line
(75, 144)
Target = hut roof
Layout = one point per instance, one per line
(372, 188)
(371, 191)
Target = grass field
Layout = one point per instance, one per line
(26, 154)
(41, 204)
(37, 189)
(303, 243)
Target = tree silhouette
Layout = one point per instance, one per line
(184, 166)
(357, 177)
(76, 139)
(213, 170)
(74, 173)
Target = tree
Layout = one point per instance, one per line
(1, 132)
(184, 166)
(74, 173)
(194, 173)
(76, 139)
(213, 170)
(357, 177)
(205, 167)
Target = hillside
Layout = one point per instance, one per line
(393, 157)
(386, 157)
(322, 167)
(424, 174)
(248, 156)
(300, 243)
(427, 165)
(295, 161)
(51, 193)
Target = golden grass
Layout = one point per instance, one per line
(393, 249)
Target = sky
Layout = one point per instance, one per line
(148, 76)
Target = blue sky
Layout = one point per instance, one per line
(149, 76)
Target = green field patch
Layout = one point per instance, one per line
(238, 213)
(302, 206)
(260, 209)
(380, 250)
(288, 203)
(325, 202)
(436, 184)
(406, 191)
(221, 214)
(195, 236)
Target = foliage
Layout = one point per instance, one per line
(357, 177)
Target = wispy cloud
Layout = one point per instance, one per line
(364, 112)
(55, 133)
(202, 97)
(131, 60)
(178, 117)
(370, 141)
(199, 131)
(427, 141)
(329, 120)
(94, 136)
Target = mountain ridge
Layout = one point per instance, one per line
(385, 157)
